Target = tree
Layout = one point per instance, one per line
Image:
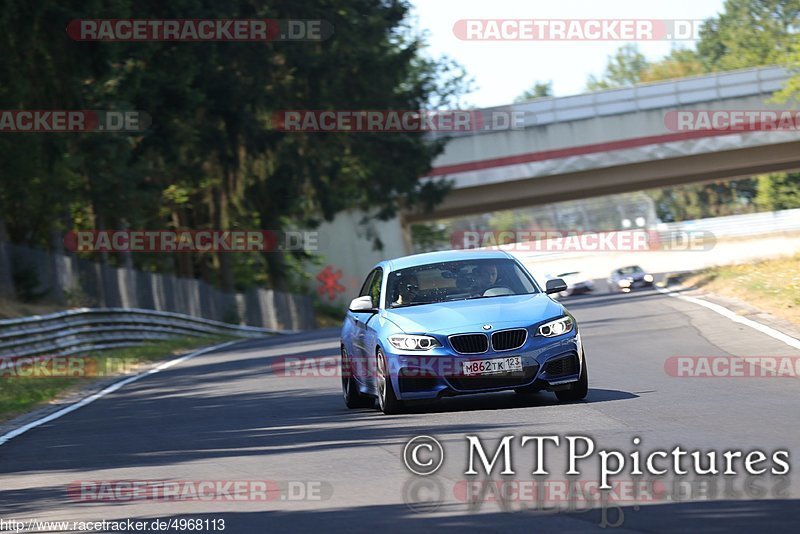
(680, 63)
(539, 90)
(698, 201)
(749, 33)
(212, 159)
(624, 68)
(780, 191)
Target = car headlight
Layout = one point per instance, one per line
(625, 282)
(648, 278)
(560, 326)
(412, 342)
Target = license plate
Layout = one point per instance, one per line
(494, 366)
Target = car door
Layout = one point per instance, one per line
(371, 326)
(357, 332)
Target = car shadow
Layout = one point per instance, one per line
(509, 400)
(439, 513)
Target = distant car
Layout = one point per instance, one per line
(628, 278)
(576, 281)
(453, 323)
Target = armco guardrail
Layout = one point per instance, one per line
(87, 329)
(747, 225)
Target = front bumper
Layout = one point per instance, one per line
(628, 285)
(547, 363)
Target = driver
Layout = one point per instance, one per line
(487, 276)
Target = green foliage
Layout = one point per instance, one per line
(27, 284)
(505, 221)
(748, 33)
(211, 159)
(539, 90)
(430, 236)
(699, 201)
(624, 68)
(779, 191)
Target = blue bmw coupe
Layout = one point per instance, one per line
(454, 323)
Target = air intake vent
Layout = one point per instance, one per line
(562, 366)
(509, 339)
(470, 343)
(501, 380)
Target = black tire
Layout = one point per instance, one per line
(387, 400)
(353, 398)
(579, 389)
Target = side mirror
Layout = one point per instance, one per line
(556, 285)
(362, 304)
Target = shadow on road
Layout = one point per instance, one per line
(508, 400)
(745, 516)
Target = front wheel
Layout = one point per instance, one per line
(579, 389)
(387, 400)
(353, 398)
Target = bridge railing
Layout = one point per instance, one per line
(676, 93)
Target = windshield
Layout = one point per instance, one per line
(457, 280)
(633, 269)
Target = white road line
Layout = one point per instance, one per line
(725, 312)
(110, 389)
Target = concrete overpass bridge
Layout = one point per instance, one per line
(577, 147)
(611, 142)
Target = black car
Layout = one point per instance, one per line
(628, 278)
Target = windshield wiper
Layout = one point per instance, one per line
(410, 304)
(495, 296)
(485, 297)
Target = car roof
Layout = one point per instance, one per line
(444, 255)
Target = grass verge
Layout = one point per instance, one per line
(23, 388)
(771, 285)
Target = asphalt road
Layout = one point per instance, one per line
(233, 415)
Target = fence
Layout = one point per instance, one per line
(86, 329)
(68, 280)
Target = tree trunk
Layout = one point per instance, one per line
(6, 278)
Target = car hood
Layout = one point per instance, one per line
(470, 315)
